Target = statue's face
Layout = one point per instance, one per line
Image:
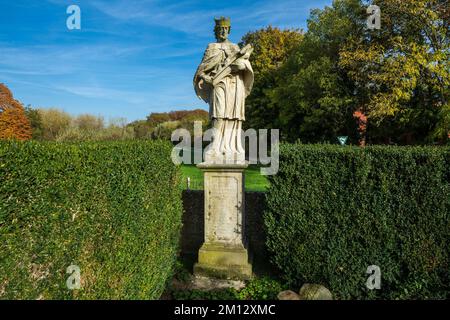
(222, 33)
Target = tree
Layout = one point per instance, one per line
(381, 86)
(89, 122)
(13, 122)
(34, 117)
(187, 121)
(164, 130)
(91, 128)
(155, 118)
(313, 95)
(54, 122)
(141, 129)
(272, 46)
(161, 125)
(402, 71)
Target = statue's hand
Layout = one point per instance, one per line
(205, 80)
(237, 66)
(246, 56)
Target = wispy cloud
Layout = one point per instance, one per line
(181, 16)
(131, 97)
(60, 59)
(131, 56)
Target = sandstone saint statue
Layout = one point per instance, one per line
(224, 79)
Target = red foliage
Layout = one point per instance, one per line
(361, 119)
(14, 124)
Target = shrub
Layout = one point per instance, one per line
(111, 208)
(263, 288)
(333, 211)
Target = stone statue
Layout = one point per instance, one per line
(224, 79)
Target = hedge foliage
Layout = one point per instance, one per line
(333, 211)
(112, 208)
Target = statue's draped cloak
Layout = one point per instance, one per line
(227, 99)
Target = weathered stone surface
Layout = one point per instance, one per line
(224, 79)
(223, 253)
(208, 284)
(311, 291)
(288, 295)
(224, 203)
(255, 234)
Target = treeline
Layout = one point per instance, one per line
(25, 123)
(57, 125)
(386, 86)
(161, 125)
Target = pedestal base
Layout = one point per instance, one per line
(223, 262)
(223, 254)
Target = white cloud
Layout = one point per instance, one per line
(57, 59)
(97, 92)
(181, 16)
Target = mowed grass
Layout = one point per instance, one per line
(254, 181)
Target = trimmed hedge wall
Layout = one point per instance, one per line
(113, 209)
(333, 211)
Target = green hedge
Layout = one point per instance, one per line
(333, 211)
(113, 209)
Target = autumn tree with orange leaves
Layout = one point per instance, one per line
(13, 122)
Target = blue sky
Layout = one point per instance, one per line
(130, 58)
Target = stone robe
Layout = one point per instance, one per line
(227, 99)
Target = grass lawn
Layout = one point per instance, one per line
(254, 181)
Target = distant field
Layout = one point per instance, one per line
(254, 181)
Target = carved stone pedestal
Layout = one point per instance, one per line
(223, 254)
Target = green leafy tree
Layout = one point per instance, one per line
(384, 86)
(401, 72)
(313, 94)
(272, 46)
(141, 129)
(34, 117)
(163, 124)
(154, 119)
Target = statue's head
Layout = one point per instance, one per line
(222, 28)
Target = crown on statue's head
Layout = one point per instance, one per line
(223, 22)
